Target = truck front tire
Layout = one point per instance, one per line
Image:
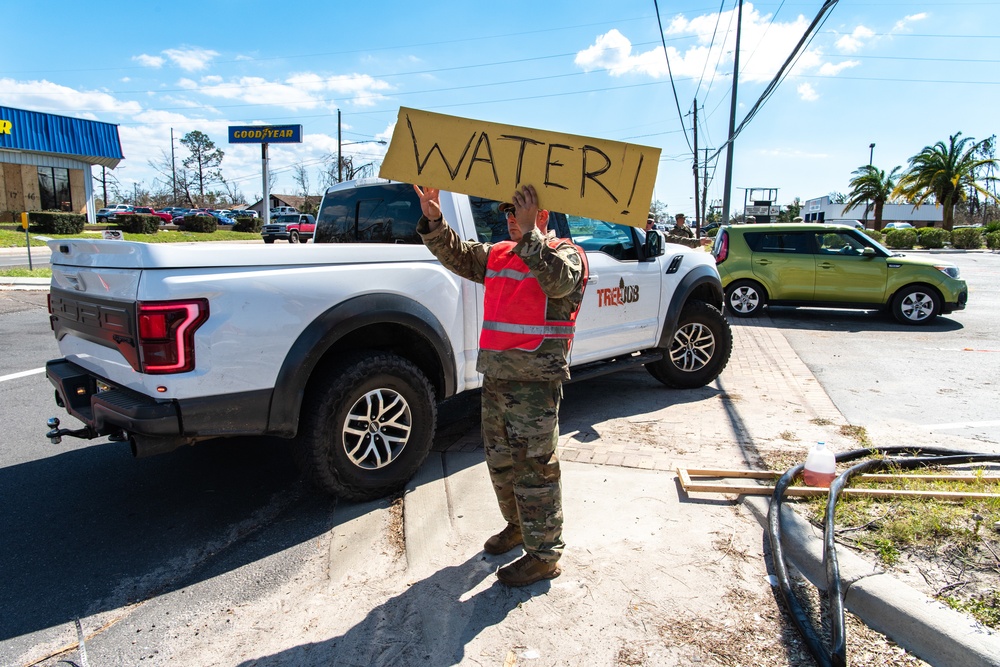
(699, 350)
(367, 425)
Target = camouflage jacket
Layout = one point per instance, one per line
(682, 236)
(560, 274)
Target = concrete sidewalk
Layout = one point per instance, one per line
(767, 401)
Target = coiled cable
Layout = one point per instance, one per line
(904, 458)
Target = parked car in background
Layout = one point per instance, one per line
(104, 214)
(243, 213)
(831, 266)
(897, 225)
(162, 215)
(857, 224)
(223, 219)
(293, 227)
(283, 210)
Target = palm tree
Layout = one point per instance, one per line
(874, 188)
(945, 174)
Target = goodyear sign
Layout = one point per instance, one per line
(597, 178)
(265, 134)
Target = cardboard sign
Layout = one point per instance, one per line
(596, 178)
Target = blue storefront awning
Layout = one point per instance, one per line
(89, 141)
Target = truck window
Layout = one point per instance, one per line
(373, 214)
(609, 238)
(491, 226)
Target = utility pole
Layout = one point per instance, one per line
(694, 168)
(173, 165)
(704, 186)
(726, 198)
(340, 161)
(104, 184)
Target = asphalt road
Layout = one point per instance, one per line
(89, 531)
(943, 377)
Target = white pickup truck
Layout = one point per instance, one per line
(346, 345)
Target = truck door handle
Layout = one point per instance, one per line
(592, 279)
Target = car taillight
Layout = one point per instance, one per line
(723, 252)
(166, 334)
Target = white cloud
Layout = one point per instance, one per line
(299, 91)
(852, 43)
(904, 23)
(50, 97)
(148, 61)
(807, 92)
(764, 46)
(832, 69)
(191, 59)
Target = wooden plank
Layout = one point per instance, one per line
(688, 484)
(878, 477)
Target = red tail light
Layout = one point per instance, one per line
(723, 253)
(166, 334)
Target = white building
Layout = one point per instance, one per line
(822, 209)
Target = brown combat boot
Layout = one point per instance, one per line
(504, 541)
(527, 570)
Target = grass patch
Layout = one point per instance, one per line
(984, 608)
(12, 239)
(21, 272)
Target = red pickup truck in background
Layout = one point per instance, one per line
(295, 227)
(163, 215)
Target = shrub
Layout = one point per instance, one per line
(200, 224)
(933, 237)
(901, 238)
(137, 223)
(967, 238)
(712, 233)
(56, 222)
(992, 227)
(248, 224)
(993, 240)
(874, 235)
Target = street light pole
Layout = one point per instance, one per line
(871, 154)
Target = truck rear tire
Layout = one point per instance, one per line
(699, 350)
(367, 425)
(293, 237)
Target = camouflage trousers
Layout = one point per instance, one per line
(520, 432)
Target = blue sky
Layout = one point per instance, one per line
(898, 74)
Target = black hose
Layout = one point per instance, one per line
(837, 656)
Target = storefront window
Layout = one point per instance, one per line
(53, 189)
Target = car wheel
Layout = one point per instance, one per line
(745, 298)
(368, 422)
(268, 239)
(293, 237)
(916, 304)
(699, 350)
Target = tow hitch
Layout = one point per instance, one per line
(55, 434)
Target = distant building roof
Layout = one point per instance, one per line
(88, 141)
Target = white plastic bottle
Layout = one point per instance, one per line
(821, 466)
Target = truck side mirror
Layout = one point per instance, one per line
(654, 244)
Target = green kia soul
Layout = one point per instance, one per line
(830, 266)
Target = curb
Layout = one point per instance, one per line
(925, 627)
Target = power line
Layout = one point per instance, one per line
(677, 102)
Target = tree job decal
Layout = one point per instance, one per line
(617, 296)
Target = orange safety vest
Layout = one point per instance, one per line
(514, 304)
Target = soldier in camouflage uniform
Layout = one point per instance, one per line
(522, 387)
(681, 234)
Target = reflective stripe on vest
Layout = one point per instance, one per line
(514, 306)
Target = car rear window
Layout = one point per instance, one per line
(386, 213)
